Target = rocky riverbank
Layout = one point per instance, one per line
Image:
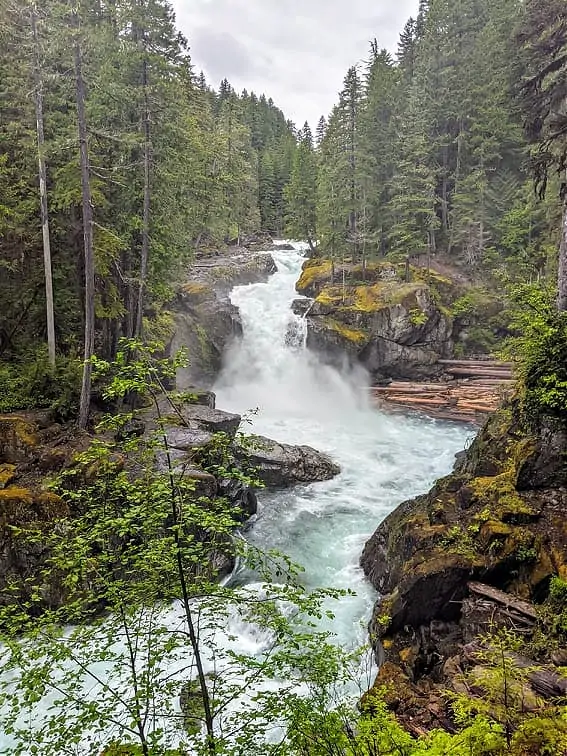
(395, 319)
(392, 319)
(497, 521)
(33, 451)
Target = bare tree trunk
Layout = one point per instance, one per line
(456, 187)
(146, 208)
(562, 274)
(38, 96)
(87, 228)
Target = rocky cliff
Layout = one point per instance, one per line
(205, 321)
(33, 451)
(393, 319)
(497, 520)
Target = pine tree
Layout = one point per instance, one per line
(543, 36)
(301, 191)
(321, 130)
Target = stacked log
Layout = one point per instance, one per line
(474, 390)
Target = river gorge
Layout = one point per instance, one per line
(287, 393)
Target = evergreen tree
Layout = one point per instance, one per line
(301, 191)
(543, 35)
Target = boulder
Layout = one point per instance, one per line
(213, 420)
(18, 438)
(282, 465)
(21, 559)
(239, 496)
(188, 439)
(394, 327)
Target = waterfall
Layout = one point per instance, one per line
(297, 399)
(323, 527)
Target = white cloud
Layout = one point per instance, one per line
(295, 51)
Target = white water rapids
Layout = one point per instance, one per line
(384, 459)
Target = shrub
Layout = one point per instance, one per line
(32, 384)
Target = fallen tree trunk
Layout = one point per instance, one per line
(545, 682)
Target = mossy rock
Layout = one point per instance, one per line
(354, 336)
(22, 505)
(316, 272)
(18, 438)
(7, 475)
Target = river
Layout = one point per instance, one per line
(385, 458)
(292, 397)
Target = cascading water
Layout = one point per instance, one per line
(384, 458)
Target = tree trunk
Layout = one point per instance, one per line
(146, 208)
(87, 228)
(562, 274)
(38, 96)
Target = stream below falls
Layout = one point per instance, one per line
(293, 398)
(385, 458)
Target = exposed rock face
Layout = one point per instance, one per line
(213, 420)
(205, 321)
(498, 519)
(27, 452)
(393, 327)
(282, 465)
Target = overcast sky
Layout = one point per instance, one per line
(295, 51)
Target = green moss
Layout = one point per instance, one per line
(498, 494)
(314, 271)
(349, 334)
(16, 429)
(330, 296)
(193, 287)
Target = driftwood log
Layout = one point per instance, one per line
(470, 398)
(546, 682)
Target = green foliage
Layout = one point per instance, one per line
(206, 151)
(126, 604)
(32, 384)
(541, 352)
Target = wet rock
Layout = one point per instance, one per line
(205, 329)
(301, 306)
(205, 321)
(188, 439)
(213, 420)
(282, 465)
(239, 496)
